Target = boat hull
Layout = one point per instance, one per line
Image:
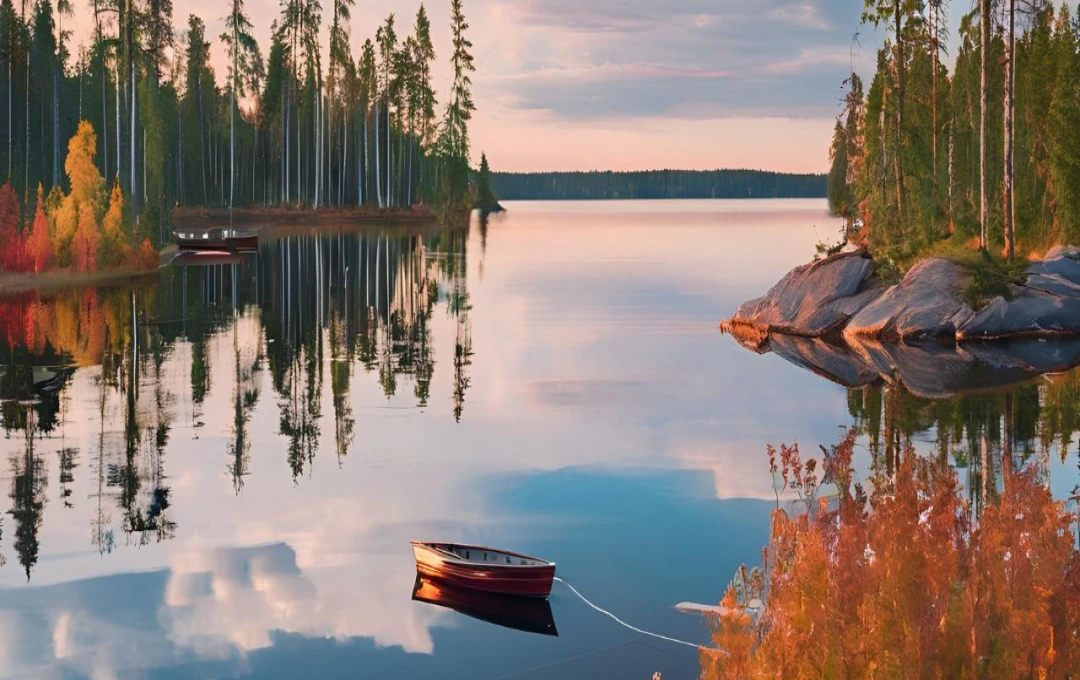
(231, 244)
(514, 580)
(531, 615)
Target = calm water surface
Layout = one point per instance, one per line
(217, 474)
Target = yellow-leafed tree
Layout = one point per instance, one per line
(115, 250)
(79, 213)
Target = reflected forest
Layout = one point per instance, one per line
(299, 324)
(950, 550)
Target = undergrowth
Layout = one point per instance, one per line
(989, 275)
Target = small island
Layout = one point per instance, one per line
(843, 297)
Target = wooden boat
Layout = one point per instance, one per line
(477, 567)
(218, 238)
(528, 614)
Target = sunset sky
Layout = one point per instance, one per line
(634, 84)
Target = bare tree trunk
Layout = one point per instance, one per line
(285, 142)
(1010, 83)
(984, 108)
(389, 165)
(179, 153)
(56, 101)
(344, 157)
(104, 113)
(11, 76)
(378, 175)
(897, 17)
(134, 99)
(202, 141)
(116, 77)
(26, 157)
(299, 155)
(232, 117)
(362, 161)
(933, 91)
(318, 141)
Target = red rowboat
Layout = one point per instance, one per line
(529, 614)
(481, 568)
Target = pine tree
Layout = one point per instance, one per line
(839, 194)
(424, 55)
(485, 198)
(242, 51)
(454, 137)
(386, 37)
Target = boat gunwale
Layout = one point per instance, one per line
(433, 547)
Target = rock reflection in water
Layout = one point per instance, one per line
(983, 406)
(927, 369)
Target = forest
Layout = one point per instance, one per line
(541, 186)
(298, 122)
(984, 155)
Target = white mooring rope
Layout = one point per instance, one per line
(626, 625)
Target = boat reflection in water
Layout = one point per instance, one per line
(531, 615)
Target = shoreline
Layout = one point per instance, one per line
(61, 280)
(285, 217)
(267, 222)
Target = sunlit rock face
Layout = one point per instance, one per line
(925, 304)
(812, 300)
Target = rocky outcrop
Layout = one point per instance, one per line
(840, 296)
(1047, 304)
(832, 317)
(925, 304)
(812, 300)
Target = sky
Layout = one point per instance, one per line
(633, 84)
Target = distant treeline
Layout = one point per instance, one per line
(557, 186)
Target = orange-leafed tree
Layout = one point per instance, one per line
(901, 582)
(40, 246)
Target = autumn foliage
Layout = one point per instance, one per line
(39, 244)
(902, 581)
(78, 230)
(82, 325)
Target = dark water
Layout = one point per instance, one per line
(217, 474)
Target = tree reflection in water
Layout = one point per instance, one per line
(904, 575)
(304, 307)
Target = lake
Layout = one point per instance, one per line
(218, 473)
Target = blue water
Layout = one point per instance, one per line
(256, 445)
